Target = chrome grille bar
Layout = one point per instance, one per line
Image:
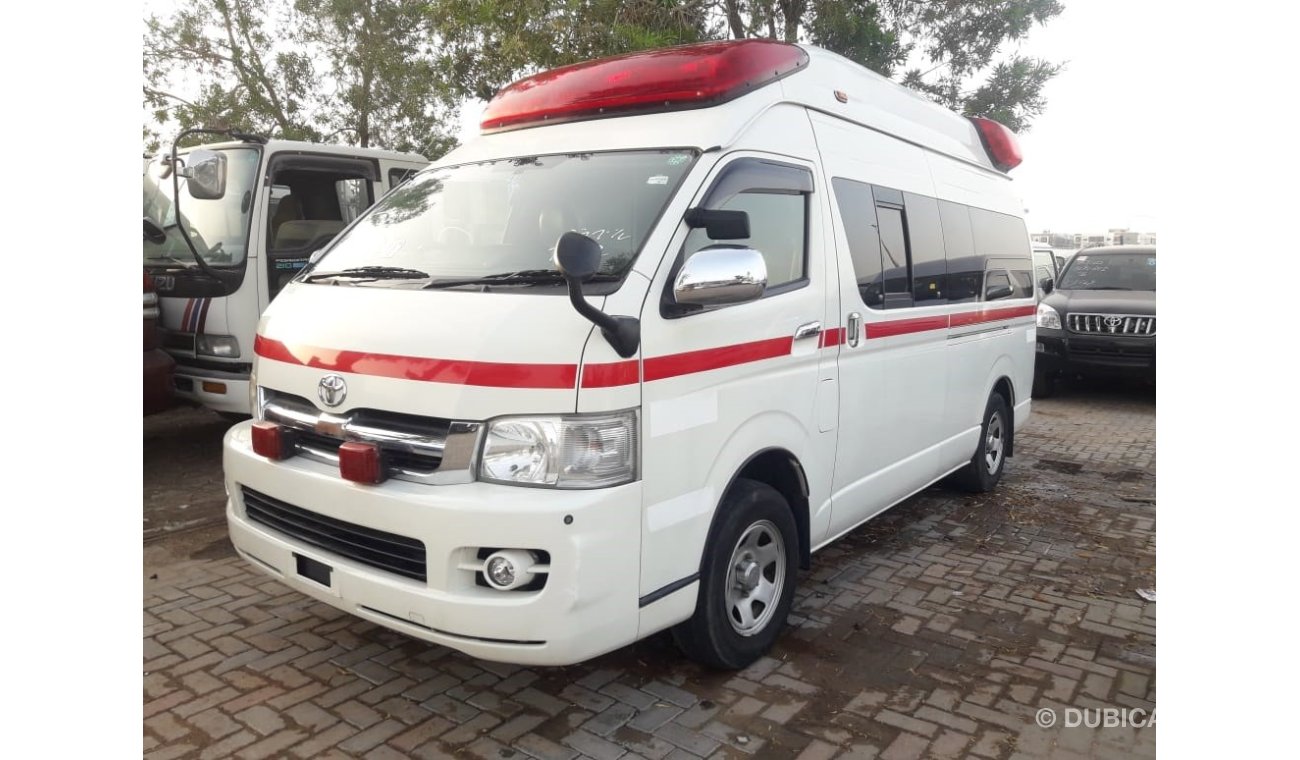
(1111, 324)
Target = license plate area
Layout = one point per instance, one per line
(313, 570)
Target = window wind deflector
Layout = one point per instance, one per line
(375, 273)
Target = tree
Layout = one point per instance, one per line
(356, 71)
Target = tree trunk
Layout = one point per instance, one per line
(734, 21)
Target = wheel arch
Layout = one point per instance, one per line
(779, 468)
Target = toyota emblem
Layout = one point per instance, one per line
(332, 390)
(1114, 322)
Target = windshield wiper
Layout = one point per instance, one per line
(523, 277)
(372, 273)
(1109, 287)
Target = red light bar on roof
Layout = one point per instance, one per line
(688, 76)
(999, 142)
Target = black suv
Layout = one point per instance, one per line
(1099, 317)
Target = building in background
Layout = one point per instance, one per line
(1078, 240)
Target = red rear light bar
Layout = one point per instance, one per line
(999, 142)
(676, 78)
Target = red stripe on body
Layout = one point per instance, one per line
(610, 375)
(832, 337)
(185, 318)
(992, 315)
(203, 316)
(690, 362)
(905, 326)
(452, 371)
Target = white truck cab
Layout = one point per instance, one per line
(673, 323)
(271, 205)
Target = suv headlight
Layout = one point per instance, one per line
(1047, 317)
(224, 346)
(569, 451)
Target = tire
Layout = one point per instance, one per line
(985, 468)
(1044, 384)
(741, 572)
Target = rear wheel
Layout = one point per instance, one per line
(746, 580)
(985, 468)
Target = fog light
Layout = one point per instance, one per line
(509, 569)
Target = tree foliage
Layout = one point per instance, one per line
(392, 73)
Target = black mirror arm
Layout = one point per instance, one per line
(623, 333)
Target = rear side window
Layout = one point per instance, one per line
(965, 269)
(858, 214)
(1004, 237)
(929, 264)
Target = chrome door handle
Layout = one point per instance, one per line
(853, 329)
(808, 331)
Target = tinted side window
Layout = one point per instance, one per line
(929, 267)
(1004, 237)
(858, 214)
(994, 281)
(893, 254)
(965, 269)
(777, 229)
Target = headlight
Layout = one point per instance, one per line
(224, 346)
(573, 451)
(1047, 317)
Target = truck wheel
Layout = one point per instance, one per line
(1044, 384)
(985, 468)
(747, 580)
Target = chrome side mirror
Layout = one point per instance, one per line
(206, 174)
(721, 276)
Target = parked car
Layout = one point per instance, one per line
(1100, 318)
(158, 365)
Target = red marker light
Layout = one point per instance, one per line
(361, 463)
(676, 78)
(999, 142)
(271, 441)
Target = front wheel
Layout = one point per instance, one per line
(984, 470)
(746, 580)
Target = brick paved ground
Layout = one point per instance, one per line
(936, 631)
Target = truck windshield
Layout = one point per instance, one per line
(1110, 271)
(219, 228)
(503, 217)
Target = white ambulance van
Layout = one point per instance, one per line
(676, 320)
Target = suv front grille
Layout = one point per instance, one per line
(379, 549)
(1111, 324)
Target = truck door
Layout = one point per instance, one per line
(729, 382)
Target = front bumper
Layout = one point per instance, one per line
(222, 391)
(1059, 351)
(588, 606)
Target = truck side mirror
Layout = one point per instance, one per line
(577, 256)
(994, 292)
(1046, 284)
(206, 175)
(719, 224)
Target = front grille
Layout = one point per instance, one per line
(1111, 324)
(381, 550)
(411, 446)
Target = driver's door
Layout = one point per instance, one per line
(737, 378)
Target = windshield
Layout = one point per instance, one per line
(1110, 271)
(219, 228)
(504, 217)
